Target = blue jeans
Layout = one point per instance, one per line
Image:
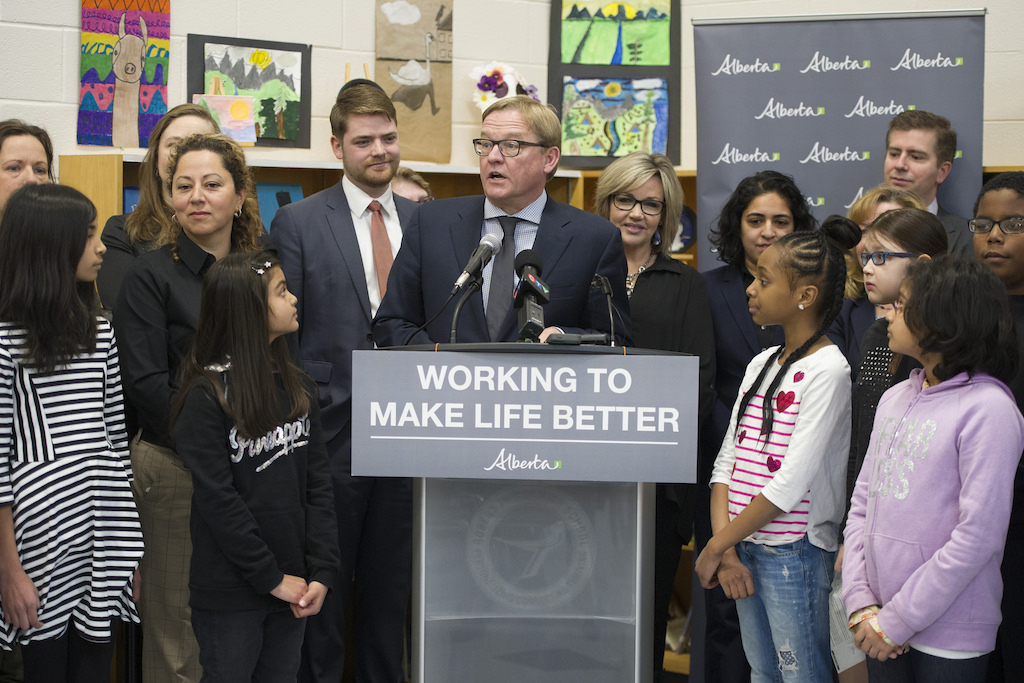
(246, 646)
(784, 625)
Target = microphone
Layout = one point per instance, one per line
(530, 294)
(489, 246)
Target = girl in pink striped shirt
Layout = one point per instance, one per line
(779, 480)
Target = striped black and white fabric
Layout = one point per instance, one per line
(65, 472)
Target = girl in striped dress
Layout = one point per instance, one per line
(780, 477)
(70, 540)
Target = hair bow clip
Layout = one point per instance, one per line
(260, 268)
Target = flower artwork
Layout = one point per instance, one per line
(497, 81)
(613, 117)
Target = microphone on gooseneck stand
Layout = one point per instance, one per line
(601, 282)
(488, 247)
(531, 293)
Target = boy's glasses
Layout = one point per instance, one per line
(878, 257)
(1009, 226)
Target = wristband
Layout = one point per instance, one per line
(873, 620)
(862, 614)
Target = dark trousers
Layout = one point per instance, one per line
(375, 538)
(668, 543)
(248, 646)
(917, 667)
(717, 655)
(1008, 659)
(69, 658)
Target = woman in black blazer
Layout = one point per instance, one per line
(669, 309)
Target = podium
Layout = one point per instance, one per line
(534, 521)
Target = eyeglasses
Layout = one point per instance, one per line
(878, 257)
(508, 148)
(425, 198)
(898, 306)
(1009, 226)
(626, 202)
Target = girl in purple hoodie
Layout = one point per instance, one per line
(930, 510)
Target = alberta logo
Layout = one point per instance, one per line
(821, 154)
(815, 201)
(860, 193)
(821, 63)
(731, 155)
(731, 67)
(913, 60)
(865, 108)
(778, 110)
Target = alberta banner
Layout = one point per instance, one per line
(812, 97)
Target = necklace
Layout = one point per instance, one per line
(631, 277)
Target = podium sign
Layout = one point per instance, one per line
(551, 416)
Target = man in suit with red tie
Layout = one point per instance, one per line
(336, 250)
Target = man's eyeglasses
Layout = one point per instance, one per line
(879, 257)
(626, 202)
(508, 148)
(1009, 226)
(425, 198)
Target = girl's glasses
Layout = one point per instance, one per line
(878, 257)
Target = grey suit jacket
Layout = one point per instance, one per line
(320, 257)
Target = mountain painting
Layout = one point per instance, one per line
(616, 33)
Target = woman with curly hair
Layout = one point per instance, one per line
(215, 213)
(137, 232)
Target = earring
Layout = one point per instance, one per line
(238, 212)
(800, 306)
(657, 238)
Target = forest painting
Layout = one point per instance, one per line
(275, 75)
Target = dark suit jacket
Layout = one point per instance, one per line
(438, 243)
(961, 241)
(849, 327)
(320, 257)
(735, 342)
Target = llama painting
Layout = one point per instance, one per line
(128, 61)
(123, 82)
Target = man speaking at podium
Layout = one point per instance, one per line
(519, 151)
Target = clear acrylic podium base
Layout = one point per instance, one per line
(532, 581)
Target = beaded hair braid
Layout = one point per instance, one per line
(811, 256)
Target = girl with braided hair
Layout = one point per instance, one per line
(779, 480)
